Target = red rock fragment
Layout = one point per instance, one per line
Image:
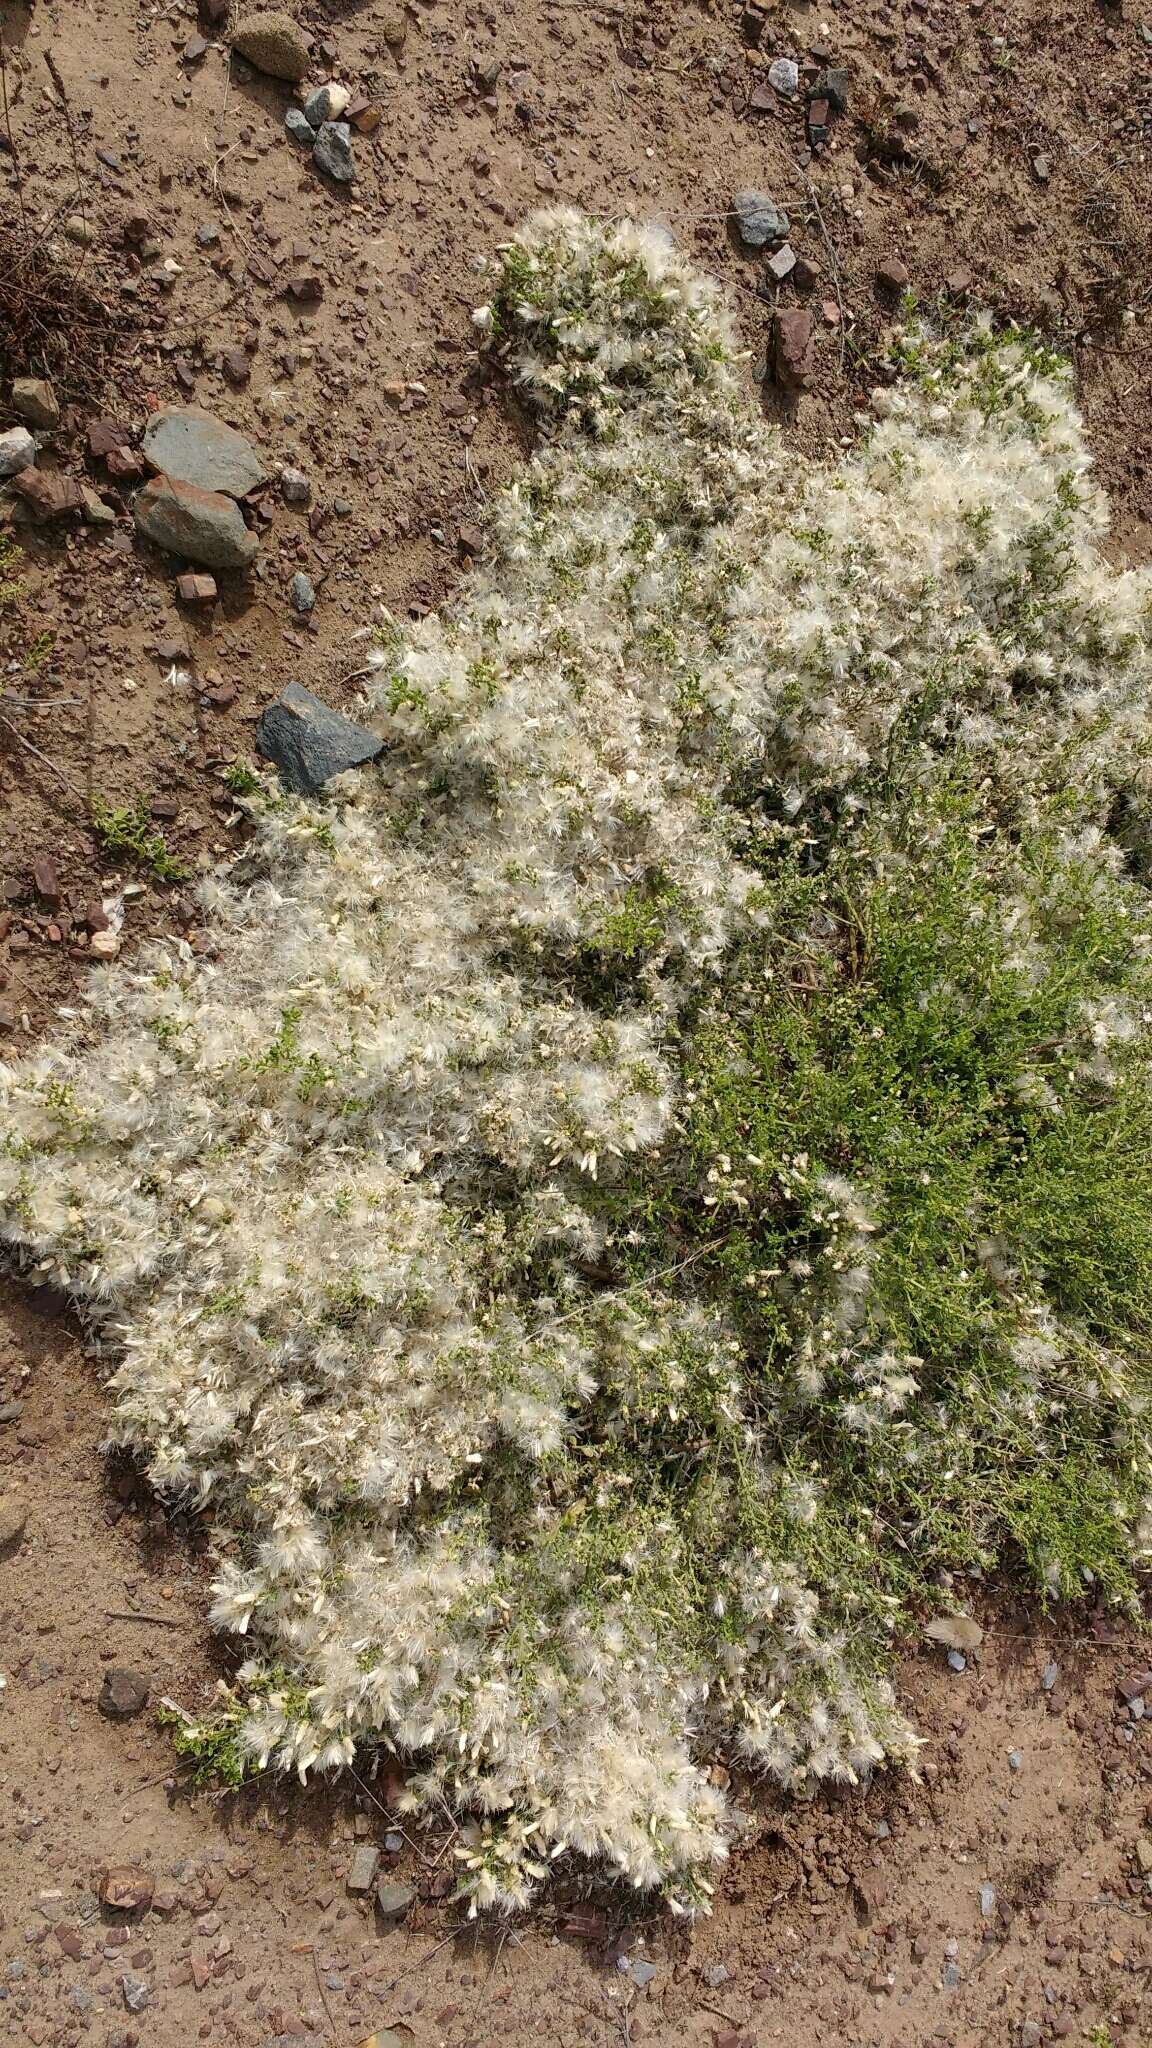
(106, 436)
(792, 347)
(196, 589)
(45, 880)
(892, 275)
(48, 494)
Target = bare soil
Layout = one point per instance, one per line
(1000, 152)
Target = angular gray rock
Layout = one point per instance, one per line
(123, 1694)
(295, 488)
(17, 451)
(363, 1867)
(300, 129)
(327, 103)
(759, 219)
(192, 446)
(310, 743)
(394, 1899)
(302, 593)
(274, 43)
(333, 151)
(204, 526)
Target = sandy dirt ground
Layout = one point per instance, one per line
(999, 153)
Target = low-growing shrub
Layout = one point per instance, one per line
(651, 1187)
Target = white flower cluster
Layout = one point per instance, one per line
(334, 1196)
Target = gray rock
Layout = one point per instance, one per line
(832, 85)
(310, 743)
(123, 1694)
(302, 592)
(987, 1900)
(363, 1867)
(34, 400)
(17, 451)
(327, 103)
(203, 526)
(394, 1899)
(956, 1662)
(716, 1974)
(274, 43)
(784, 77)
(1015, 1760)
(782, 264)
(759, 219)
(295, 488)
(333, 151)
(137, 1993)
(192, 446)
(950, 1976)
(300, 129)
(635, 1967)
(1049, 1676)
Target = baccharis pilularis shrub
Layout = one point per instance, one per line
(653, 1184)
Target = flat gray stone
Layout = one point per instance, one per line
(17, 451)
(363, 1867)
(310, 743)
(193, 447)
(394, 1899)
(203, 526)
(333, 151)
(326, 103)
(302, 594)
(759, 219)
(300, 129)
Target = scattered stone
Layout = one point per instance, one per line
(236, 367)
(394, 28)
(752, 22)
(94, 509)
(191, 446)
(295, 488)
(207, 234)
(34, 400)
(205, 526)
(309, 742)
(469, 543)
(306, 285)
(1049, 1677)
(326, 103)
(792, 347)
(195, 589)
(79, 230)
(17, 451)
(1043, 169)
(782, 264)
(104, 945)
(123, 1694)
(805, 275)
(957, 1662)
(299, 128)
(1031, 2035)
(784, 75)
(106, 435)
(987, 1901)
(363, 1867)
(958, 283)
(883, 1831)
(11, 1411)
(950, 1976)
(333, 151)
(1144, 1854)
(302, 593)
(759, 219)
(394, 1899)
(124, 464)
(892, 275)
(1015, 1760)
(1132, 1688)
(635, 1967)
(365, 115)
(832, 85)
(47, 494)
(137, 1993)
(194, 49)
(274, 43)
(45, 880)
(13, 1523)
(716, 1974)
(817, 121)
(125, 1888)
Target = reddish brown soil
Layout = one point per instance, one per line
(831, 1930)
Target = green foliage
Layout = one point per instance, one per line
(240, 779)
(209, 1747)
(126, 831)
